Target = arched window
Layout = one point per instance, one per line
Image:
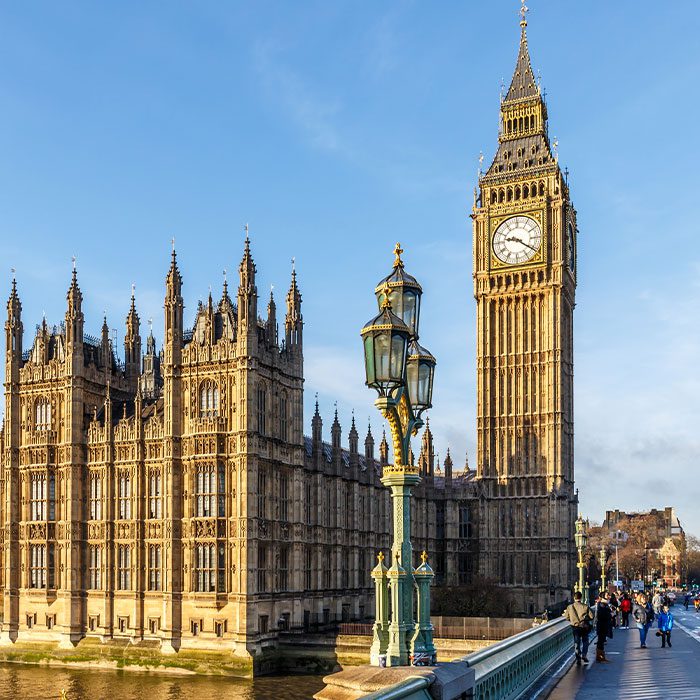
(208, 569)
(284, 418)
(517, 192)
(509, 196)
(494, 196)
(262, 410)
(526, 191)
(501, 196)
(124, 496)
(208, 399)
(210, 491)
(42, 415)
(541, 189)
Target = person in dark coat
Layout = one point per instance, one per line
(643, 615)
(603, 626)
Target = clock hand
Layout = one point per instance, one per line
(513, 239)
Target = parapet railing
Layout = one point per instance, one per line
(502, 671)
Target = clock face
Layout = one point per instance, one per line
(570, 248)
(517, 240)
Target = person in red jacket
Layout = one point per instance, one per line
(625, 609)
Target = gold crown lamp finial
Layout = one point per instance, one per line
(397, 252)
(386, 303)
(380, 557)
(524, 9)
(424, 557)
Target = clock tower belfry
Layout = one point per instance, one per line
(524, 250)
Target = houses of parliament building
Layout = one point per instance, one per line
(174, 497)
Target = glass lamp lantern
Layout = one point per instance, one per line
(420, 370)
(385, 339)
(404, 293)
(581, 537)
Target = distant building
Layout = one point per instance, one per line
(664, 535)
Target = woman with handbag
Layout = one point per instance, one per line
(579, 616)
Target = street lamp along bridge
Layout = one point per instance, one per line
(402, 372)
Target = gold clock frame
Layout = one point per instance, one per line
(539, 258)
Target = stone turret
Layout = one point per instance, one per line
(271, 324)
(383, 451)
(426, 460)
(75, 322)
(293, 322)
(448, 469)
(317, 437)
(337, 451)
(369, 446)
(132, 342)
(354, 440)
(247, 302)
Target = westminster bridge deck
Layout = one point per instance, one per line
(538, 664)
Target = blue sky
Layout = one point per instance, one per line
(336, 129)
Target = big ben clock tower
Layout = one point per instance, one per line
(524, 283)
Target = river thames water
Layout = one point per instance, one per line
(25, 682)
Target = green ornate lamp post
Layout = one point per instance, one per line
(401, 371)
(603, 558)
(581, 538)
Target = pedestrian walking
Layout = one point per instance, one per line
(603, 627)
(657, 601)
(625, 609)
(643, 615)
(580, 617)
(665, 625)
(686, 600)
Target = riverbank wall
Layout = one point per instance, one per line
(307, 654)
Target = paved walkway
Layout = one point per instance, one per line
(653, 673)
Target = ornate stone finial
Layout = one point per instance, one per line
(172, 243)
(524, 9)
(74, 260)
(424, 557)
(294, 264)
(380, 557)
(397, 252)
(555, 148)
(247, 233)
(150, 325)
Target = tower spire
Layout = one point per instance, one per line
(523, 83)
(293, 322)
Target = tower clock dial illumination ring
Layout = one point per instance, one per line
(516, 240)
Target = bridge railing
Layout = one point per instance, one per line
(502, 671)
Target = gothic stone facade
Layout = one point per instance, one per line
(175, 498)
